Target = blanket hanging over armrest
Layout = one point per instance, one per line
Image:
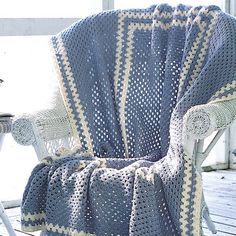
(127, 79)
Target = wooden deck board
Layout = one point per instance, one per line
(220, 194)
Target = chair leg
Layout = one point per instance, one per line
(199, 157)
(6, 221)
(209, 222)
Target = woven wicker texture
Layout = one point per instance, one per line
(5, 122)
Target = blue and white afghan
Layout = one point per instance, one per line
(127, 79)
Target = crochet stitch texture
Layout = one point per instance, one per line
(127, 78)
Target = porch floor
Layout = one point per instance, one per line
(220, 195)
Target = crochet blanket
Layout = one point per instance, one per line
(127, 79)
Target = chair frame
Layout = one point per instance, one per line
(49, 130)
(3, 215)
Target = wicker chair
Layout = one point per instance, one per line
(49, 131)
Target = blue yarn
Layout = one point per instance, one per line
(129, 77)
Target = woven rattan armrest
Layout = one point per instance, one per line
(44, 125)
(201, 121)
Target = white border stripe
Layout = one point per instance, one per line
(128, 64)
(34, 216)
(56, 229)
(185, 195)
(75, 94)
(64, 96)
(131, 28)
(229, 96)
(189, 58)
(204, 48)
(197, 205)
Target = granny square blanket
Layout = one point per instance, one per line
(127, 78)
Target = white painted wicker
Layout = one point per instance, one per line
(201, 121)
(49, 131)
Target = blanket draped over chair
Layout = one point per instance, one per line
(127, 78)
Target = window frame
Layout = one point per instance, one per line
(50, 26)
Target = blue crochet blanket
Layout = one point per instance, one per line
(127, 79)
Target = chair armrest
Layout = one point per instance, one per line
(43, 126)
(201, 121)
